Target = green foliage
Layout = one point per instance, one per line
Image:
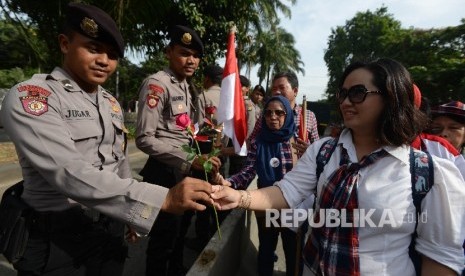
(145, 26)
(131, 131)
(191, 152)
(435, 58)
(10, 77)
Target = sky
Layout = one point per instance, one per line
(312, 21)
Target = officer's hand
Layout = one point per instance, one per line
(131, 235)
(300, 146)
(184, 196)
(198, 162)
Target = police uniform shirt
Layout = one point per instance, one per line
(250, 113)
(72, 148)
(162, 98)
(209, 97)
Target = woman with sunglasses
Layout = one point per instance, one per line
(270, 157)
(368, 173)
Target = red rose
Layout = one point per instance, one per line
(183, 121)
(210, 110)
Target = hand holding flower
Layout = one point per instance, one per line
(186, 196)
(213, 165)
(225, 197)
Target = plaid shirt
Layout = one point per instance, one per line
(312, 125)
(242, 179)
(335, 250)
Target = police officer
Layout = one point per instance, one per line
(70, 139)
(249, 106)
(163, 98)
(209, 100)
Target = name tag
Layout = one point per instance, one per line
(76, 114)
(177, 98)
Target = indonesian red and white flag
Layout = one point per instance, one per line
(231, 110)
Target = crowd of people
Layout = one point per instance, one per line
(389, 157)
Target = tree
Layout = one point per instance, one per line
(363, 37)
(435, 58)
(145, 24)
(274, 53)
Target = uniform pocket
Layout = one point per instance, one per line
(86, 136)
(120, 140)
(84, 130)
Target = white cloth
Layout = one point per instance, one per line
(386, 185)
(435, 148)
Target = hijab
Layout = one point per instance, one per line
(269, 144)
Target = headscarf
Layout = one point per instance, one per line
(269, 145)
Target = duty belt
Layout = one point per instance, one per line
(74, 219)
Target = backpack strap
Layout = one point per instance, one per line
(324, 154)
(422, 173)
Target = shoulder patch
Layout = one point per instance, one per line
(34, 90)
(35, 105)
(152, 100)
(156, 89)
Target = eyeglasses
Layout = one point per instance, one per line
(278, 113)
(356, 94)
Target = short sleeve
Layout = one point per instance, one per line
(441, 226)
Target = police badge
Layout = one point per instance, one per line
(89, 27)
(186, 38)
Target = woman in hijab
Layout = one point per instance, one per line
(270, 156)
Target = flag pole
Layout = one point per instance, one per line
(304, 119)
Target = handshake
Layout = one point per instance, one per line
(195, 194)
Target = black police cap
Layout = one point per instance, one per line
(94, 23)
(186, 37)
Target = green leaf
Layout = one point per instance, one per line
(208, 166)
(214, 152)
(187, 149)
(191, 156)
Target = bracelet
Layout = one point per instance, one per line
(245, 200)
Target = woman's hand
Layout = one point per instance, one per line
(225, 198)
(300, 146)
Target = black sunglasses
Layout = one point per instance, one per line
(278, 113)
(356, 94)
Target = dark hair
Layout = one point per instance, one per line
(214, 73)
(291, 78)
(245, 82)
(400, 121)
(259, 88)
